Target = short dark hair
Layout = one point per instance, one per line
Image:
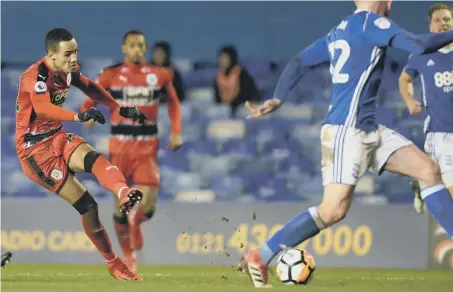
(439, 6)
(55, 36)
(132, 32)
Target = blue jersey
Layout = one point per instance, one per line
(356, 49)
(437, 84)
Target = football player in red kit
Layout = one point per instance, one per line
(50, 156)
(133, 147)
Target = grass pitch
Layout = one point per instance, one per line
(87, 278)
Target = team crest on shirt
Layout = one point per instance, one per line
(151, 79)
(56, 174)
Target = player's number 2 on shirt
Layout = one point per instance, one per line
(344, 49)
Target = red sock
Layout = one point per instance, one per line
(108, 175)
(98, 236)
(140, 216)
(122, 232)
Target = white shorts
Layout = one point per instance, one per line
(439, 146)
(348, 152)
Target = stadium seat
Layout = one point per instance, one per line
(201, 95)
(226, 129)
(240, 147)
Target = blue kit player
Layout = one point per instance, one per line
(352, 141)
(437, 83)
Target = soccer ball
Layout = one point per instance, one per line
(295, 266)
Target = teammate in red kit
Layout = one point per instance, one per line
(50, 156)
(133, 147)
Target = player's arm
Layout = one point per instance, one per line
(381, 31)
(42, 104)
(95, 91)
(98, 93)
(104, 81)
(315, 54)
(406, 87)
(174, 111)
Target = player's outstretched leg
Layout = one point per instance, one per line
(86, 159)
(336, 202)
(74, 193)
(412, 162)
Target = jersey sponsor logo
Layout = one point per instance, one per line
(382, 23)
(40, 87)
(59, 98)
(138, 95)
(444, 80)
(42, 77)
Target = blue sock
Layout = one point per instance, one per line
(440, 204)
(299, 229)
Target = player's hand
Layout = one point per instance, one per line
(414, 106)
(175, 142)
(89, 123)
(132, 112)
(266, 108)
(92, 113)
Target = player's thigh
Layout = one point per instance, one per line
(74, 149)
(411, 161)
(345, 157)
(72, 190)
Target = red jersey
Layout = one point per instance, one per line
(40, 100)
(39, 83)
(136, 85)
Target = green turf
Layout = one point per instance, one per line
(85, 278)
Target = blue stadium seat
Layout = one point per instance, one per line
(205, 146)
(174, 160)
(240, 147)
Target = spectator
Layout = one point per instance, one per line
(161, 56)
(233, 84)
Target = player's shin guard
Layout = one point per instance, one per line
(121, 225)
(88, 208)
(107, 174)
(300, 228)
(440, 204)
